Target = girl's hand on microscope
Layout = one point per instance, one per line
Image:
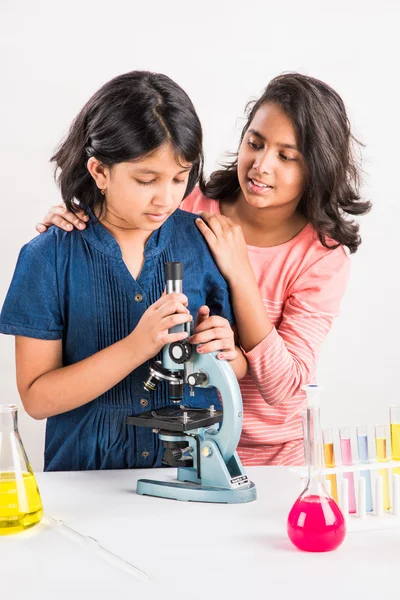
(151, 333)
(214, 334)
(227, 244)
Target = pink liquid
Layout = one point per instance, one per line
(345, 449)
(316, 524)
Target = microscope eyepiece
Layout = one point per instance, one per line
(173, 271)
(173, 277)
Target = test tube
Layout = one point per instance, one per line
(347, 460)
(329, 459)
(394, 412)
(381, 456)
(363, 457)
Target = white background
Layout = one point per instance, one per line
(54, 55)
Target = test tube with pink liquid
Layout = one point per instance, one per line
(347, 460)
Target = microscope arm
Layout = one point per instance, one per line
(222, 377)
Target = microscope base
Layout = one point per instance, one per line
(195, 492)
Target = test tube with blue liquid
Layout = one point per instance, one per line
(363, 457)
(347, 460)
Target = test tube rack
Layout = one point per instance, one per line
(362, 520)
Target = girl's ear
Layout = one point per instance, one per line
(99, 172)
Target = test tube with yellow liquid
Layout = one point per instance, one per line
(382, 457)
(394, 412)
(329, 459)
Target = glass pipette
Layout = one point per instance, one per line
(94, 545)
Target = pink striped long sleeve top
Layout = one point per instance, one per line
(301, 283)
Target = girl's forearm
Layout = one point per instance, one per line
(66, 388)
(252, 321)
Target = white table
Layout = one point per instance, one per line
(188, 549)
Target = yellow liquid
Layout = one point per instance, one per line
(20, 503)
(395, 441)
(329, 457)
(381, 456)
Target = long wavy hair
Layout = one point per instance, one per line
(128, 118)
(324, 137)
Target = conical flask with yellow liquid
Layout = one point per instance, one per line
(20, 502)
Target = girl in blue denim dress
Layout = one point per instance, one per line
(88, 308)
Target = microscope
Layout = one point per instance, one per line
(200, 442)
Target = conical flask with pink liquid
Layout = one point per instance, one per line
(315, 522)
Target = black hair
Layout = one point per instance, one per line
(324, 137)
(128, 118)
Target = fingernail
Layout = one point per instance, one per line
(199, 349)
(86, 218)
(81, 225)
(220, 356)
(68, 226)
(198, 221)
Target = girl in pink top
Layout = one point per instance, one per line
(276, 221)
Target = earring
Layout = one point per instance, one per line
(103, 192)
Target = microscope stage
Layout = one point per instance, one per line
(170, 418)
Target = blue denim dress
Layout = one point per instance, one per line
(75, 287)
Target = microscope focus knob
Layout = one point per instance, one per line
(198, 378)
(180, 352)
(172, 455)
